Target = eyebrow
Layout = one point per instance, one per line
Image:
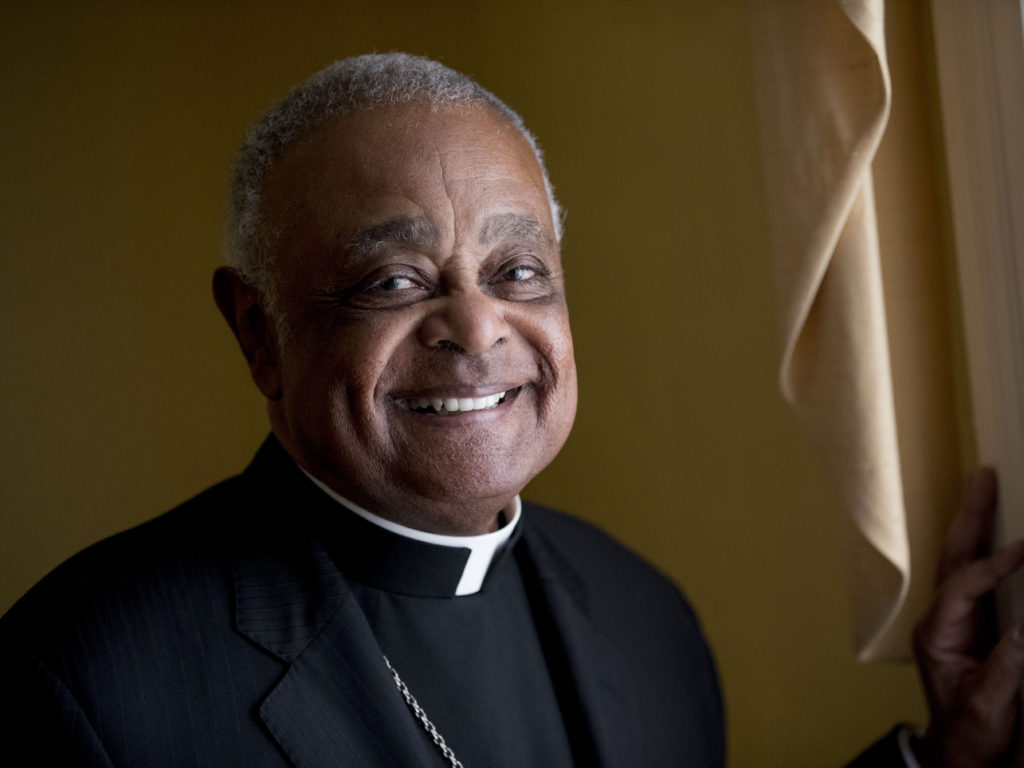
(516, 225)
(416, 231)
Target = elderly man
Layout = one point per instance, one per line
(371, 591)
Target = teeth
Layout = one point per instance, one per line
(456, 404)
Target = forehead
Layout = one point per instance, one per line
(405, 160)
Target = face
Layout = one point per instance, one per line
(427, 372)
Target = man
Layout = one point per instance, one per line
(371, 591)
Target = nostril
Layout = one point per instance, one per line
(451, 346)
(465, 321)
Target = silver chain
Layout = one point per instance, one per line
(422, 717)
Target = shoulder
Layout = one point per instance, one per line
(135, 572)
(595, 555)
(117, 649)
(642, 617)
(617, 588)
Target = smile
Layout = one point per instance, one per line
(442, 406)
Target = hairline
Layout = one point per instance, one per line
(249, 244)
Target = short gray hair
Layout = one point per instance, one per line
(351, 85)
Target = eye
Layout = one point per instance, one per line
(522, 279)
(395, 283)
(390, 287)
(519, 273)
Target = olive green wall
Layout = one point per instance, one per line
(123, 392)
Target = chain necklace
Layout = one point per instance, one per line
(417, 710)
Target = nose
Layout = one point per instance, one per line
(466, 319)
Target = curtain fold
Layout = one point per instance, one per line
(824, 96)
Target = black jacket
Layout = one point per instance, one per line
(222, 634)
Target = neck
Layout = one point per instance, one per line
(468, 518)
(482, 549)
(506, 518)
(429, 512)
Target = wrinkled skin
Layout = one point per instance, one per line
(971, 676)
(416, 258)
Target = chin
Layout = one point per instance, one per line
(468, 494)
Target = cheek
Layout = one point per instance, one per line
(329, 383)
(554, 337)
(356, 353)
(567, 396)
(553, 341)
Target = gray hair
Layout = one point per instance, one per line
(355, 84)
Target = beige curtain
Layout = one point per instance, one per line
(824, 98)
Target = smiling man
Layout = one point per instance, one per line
(425, 367)
(371, 591)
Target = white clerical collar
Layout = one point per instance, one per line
(482, 547)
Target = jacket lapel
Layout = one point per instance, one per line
(589, 673)
(336, 704)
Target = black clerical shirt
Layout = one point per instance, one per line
(475, 663)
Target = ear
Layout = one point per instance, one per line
(242, 306)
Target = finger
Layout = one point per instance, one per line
(970, 533)
(951, 622)
(995, 696)
(981, 576)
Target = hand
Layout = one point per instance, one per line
(971, 676)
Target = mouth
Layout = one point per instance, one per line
(450, 405)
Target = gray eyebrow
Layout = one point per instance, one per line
(517, 225)
(414, 231)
